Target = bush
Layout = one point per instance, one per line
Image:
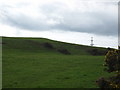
(102, 83)
(48, 45)
(64, 51)
(96, 52)
(112, 63)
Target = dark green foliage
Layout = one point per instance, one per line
(111, 82)
(97, 52)
(48, 45)
(115, 79)
(102, 83)
(64, 51)
(112, 63)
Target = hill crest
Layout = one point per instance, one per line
(44, 45)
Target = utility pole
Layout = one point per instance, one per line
(91, 41)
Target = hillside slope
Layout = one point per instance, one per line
(43, 45)
(44, 63)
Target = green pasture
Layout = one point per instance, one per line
(27, 63)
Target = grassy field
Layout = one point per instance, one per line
(29, 63)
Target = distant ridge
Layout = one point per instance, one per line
(44, 45)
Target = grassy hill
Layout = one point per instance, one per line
(43, 45)
(44, 63)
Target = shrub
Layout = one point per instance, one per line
(102, 83)
(64, 51)
(96, 52)
(112, 63)
(48, 45)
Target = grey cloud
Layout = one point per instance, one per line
(58, 17)
(26, 22)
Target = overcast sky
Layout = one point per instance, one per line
(74, 21)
